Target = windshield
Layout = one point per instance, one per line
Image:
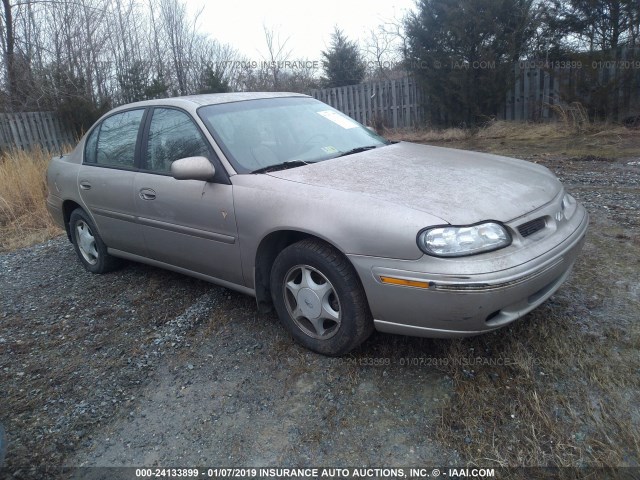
(258, 134)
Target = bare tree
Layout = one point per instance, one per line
(81, 56)
(182, 38)
(383, 52)
(277, 56)
(9, 48)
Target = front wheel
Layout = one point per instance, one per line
(89, 247)
(319, 298)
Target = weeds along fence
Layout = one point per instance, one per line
(393, 103)
(608, 90)
(26, 130)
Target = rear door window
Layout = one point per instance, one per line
(113, 142)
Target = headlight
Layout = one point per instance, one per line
(450, 241)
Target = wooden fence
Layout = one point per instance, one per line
(535, 91)
(608, 93)
(396, 103)
(24, 130)
(537, 95)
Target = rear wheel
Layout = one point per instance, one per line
(88, 244)
(319, 298)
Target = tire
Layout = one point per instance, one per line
(88, 244)
(319, 298)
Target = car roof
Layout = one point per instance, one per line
(192, 102)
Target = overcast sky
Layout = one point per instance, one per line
(307, 25)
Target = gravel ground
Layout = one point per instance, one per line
(605, 187)
(146, 367)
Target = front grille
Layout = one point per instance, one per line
(532, 227)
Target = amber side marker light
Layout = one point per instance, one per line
(404, 282)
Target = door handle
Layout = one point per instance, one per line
(147, 194)
(85, 186)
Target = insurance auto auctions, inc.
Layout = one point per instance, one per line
(371, 472)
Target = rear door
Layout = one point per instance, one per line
(190, 224)
(106, 179)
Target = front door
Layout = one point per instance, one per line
(187, 223)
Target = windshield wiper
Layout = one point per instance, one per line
(357, 150)
(281, 166)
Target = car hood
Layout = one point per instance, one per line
(458, 186)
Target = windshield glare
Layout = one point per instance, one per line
(256, 134)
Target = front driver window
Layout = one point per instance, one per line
(172, 135)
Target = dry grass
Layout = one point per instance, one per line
(501, 130)
(515, 139)
(549, 405)
(428, 135)
(572, 122)
(24, 219)
(523, 130)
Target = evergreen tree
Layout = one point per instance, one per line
(343, 63)
(463, 51)
(212, 82)
(66, 95)
(601, 33)
(157, 89)
(133, 82)
(601, 25)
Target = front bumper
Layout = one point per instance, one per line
(458, 304)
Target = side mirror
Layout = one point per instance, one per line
(193, 168)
